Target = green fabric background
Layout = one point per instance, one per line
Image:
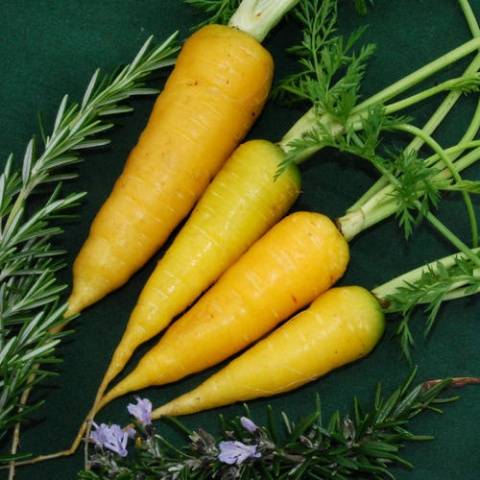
(51, 47)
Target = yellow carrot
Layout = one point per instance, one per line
(238, 207)
(299, 258)
(214, 94)
(341, 326)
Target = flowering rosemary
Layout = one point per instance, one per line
(142, 411)
(365, 443)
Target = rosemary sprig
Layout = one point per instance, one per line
(31, 311)
(364, 443)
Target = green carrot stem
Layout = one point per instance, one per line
(382, 205)
(413, 276)
(429, 128)
(300, 128)
(355, 222)
(439, 115)
(309, 120)
(468, 160)
(449, 235)
(461, 293)
(470, 17)
(420, 75)
(435, 146)
(258, 17)
(434, 221)
(314, 116)
(453, 152)
(452, 84)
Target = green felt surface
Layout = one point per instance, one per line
(51, 47)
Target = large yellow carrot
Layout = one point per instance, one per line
(299, 258)
(341, 326)
(241, 204)
(216, 91)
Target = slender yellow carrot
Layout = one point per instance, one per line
(299, 258)
(241, 203)
(217, 89)
(341, 326)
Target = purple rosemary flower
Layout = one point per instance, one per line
(235, 453)
(142, 411)
(248, 425)
(112, 437)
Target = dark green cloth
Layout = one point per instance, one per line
(51, 47)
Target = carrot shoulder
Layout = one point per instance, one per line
(216, 91)
(341, 326)
(300, 257)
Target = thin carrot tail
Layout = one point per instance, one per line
(75, 306)
(131, 383)
(87, 422)
(120, 357)
(84, 428)
(63, 453)
(43, 458)
(85, 292)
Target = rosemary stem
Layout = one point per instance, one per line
(16, 208)
(258, 17)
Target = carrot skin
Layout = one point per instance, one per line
(214, 94)
(341, 326)
(238, 207)
(299, 258)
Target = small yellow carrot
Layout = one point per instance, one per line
(299, 258)
(341, 326)
(238, 207)
(216, 91)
